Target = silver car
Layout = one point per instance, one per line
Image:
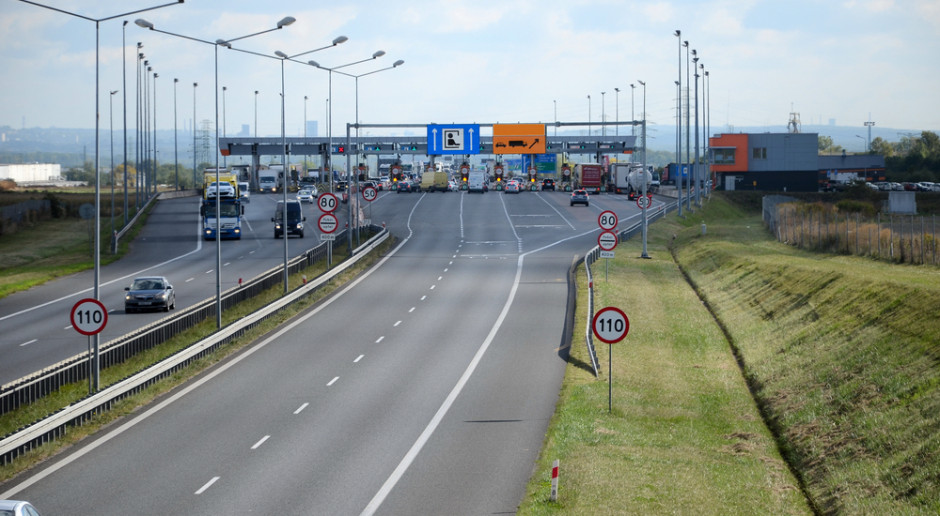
(148, 293)
(17, 508)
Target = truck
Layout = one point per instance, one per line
(476, 181)
(589, 176)
(268, 179)
(619, 173)
(640, 181)
(221, 198)
(433, 181)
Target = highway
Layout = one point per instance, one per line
(423, 387)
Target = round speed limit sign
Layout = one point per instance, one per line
(89, 316)
(369, 193)
(644, 202)
(610, 324)
(327, 202)
(607, 220)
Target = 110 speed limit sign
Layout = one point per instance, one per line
(610, 324)
(89, 316)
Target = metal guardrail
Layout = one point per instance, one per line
(55, 425)
(591, 256)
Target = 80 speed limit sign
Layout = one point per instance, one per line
(610, 324)
(327, 202)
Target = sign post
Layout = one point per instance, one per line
(607, 241)
(610, 325)
(369, 193)
(327, 202)
(89, 317)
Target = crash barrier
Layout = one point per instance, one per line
(657, 212)
(36, 385)
(56, 425)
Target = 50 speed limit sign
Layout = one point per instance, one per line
(89, 316)
(369, 193)
(327, 202)
(610, 324)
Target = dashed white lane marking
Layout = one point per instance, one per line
(412, 309)
(358, 359)
(260, 442)
(207, 486)
(396, 323)
(301, 408)
(380, 339)
(332, 381)
(27, 343)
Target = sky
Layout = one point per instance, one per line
(475, 61)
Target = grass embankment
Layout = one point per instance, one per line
(73, 392)
(841, 354)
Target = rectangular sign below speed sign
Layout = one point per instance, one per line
(607, 254)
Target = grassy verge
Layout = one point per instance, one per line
(841, 355)
(76, 391)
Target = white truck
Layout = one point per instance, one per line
(640, 180)
(267, 179)
(476, 181)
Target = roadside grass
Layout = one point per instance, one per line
(66, 247)
(78, 390)
(841, 354)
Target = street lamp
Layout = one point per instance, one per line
(603, 115)
(124, 85)
(195, 182)
(97, 244)
(176, 157)
(678, 35)
(218, 205)
(555, 105)
(695, 167)
(153, 173)
(589, 115)
(643, 182)
(377, 54)
(396, 64)
(224, 156)
(632, 111)
(111, 115)
(256, 114)
(329, 123)
(617, 111)
(688, 129)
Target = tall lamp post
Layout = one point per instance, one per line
(256, 114)
(688, 129)
(643, 193)
(589, 115)
(124, 85)
(97, 244)
(218, 205)
(603, 115)
(695, 167)
(617, 111)
(396, 64)
(632, 110)
(377, 54)
(153, 173)
(224, 156)
(195, 182)
(678, 179)
(176, 157)
(111, 115)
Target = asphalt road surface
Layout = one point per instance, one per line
(423, 387)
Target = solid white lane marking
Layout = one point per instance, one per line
(207, 486)
(259, 443)
(301, 408)
(332, 381)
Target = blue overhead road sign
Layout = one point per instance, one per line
(454, 139)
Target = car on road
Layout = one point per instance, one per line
(579, 197)
(149, 293)
(307, 195)
(512, 187)
(404, 186)
(17, 508)
(224, 190)
(548, 184)
(295, 219)
(244, 192)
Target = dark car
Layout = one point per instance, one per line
(548, 184)
(295, 219)
(579, 197)
(148, 293)
(404, 186)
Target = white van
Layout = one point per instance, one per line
(476, 182)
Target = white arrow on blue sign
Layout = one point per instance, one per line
(453, 139)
